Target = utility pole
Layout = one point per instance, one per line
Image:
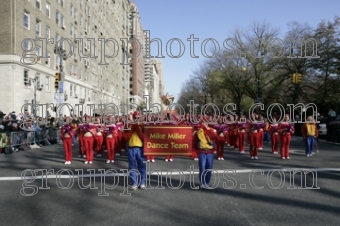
(34, 102)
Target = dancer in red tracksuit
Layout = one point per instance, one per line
(286, 130)
(111, 134)
(120, 137)
(220, 138)
(66, 135)
(99, 139)
(230, 123)
(261, 131)
(80, 134)
(89, 132)
(254, 139)
(242, 133)
(274, 135)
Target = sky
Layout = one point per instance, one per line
(217, 19)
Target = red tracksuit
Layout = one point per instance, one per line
(254, 143)
(285, 137)
(274, 135)
(67, 143)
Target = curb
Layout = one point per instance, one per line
(323, 141)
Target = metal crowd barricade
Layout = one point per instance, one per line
(22, 139)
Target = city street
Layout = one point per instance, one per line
(282, 200)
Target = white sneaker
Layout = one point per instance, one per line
(112, 161)
(84, 156)
(260, 148)
(90, 162)
(152, 160)
(196, 159)
(283, 158)
(242, 152)
(222, 158)
(99, 155)
(66, 163)
(252, 157)
(86, 162)
(133, 187)
(148, 160)
(275, 153)
(287, 158)
(117, 154)
(79, 155)
(69, 162)
(142, 186)
(307, 155)
(256, 157)
(218, 158)
(166, 160)
(171, 160)
(108, 161)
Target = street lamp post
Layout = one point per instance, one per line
(35, 80)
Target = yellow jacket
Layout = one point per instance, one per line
(203, 142)
(135, 141)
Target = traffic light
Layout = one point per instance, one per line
(298, 78)
(57, 78)
(293, 79)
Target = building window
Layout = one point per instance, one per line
(37, 3)
(75, 13)
(38, 51)
(57, 17)
(81, 4)
(26, 45)
(62, 21)
(71, 90)
(47, 33)
(81, 20)
(26, 20)
(37, 28)
(47, 84)
(48, 59)
(48, 9)
(74, 70)
(71, 10)
(71, 30)
(75, 33)
(71, 69)
(62, 3)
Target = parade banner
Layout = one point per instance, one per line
(168, 140)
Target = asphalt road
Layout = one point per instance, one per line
(242, 195)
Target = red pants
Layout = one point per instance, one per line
(99, 144)
(110, 147)
(235, 132)
(231, 138)
(119, 143)
(261, 137)
(88, 143)
(220, 146)
(274, 140)
(285, 143)
(81, 145)
(150, 157)
(226, 135)
(241, 140)
(254, 144)
(67, 142)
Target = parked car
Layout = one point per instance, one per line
(322, 127)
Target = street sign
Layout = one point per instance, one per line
(59, 98)
(61, 87)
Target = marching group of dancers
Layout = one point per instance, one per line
(96, 136)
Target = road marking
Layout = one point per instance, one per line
(164, 173)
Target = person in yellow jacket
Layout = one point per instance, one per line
(136, 158)
(309, 133)
(205, 150)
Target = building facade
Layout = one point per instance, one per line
(92, 72)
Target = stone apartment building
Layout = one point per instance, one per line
(86, 80)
